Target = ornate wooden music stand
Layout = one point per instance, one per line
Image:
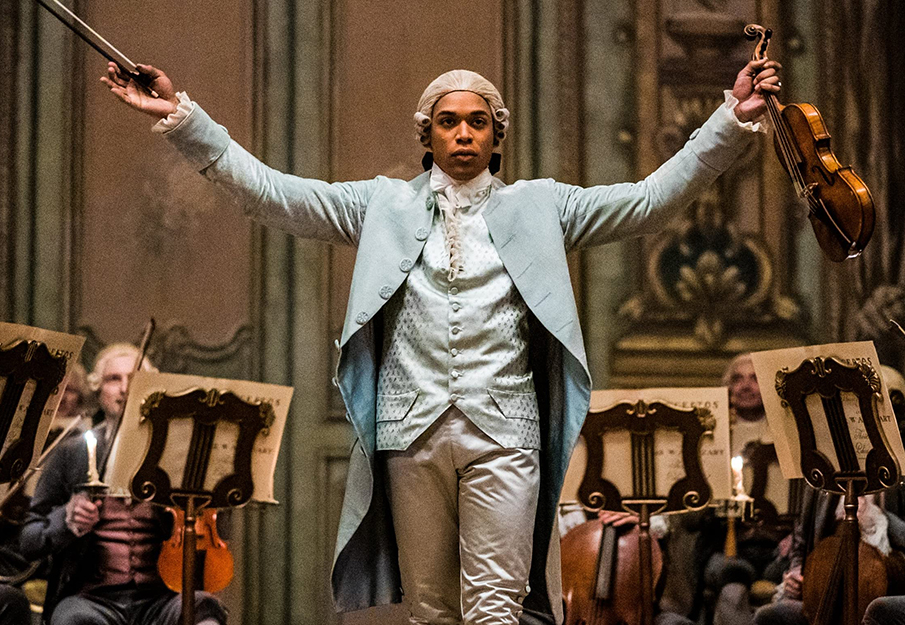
(828, 378)
(22, 362)
(691, 492)
(206, 408)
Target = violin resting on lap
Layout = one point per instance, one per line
(214, 561)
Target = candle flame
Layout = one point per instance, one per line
(89, 436)
(737, 463)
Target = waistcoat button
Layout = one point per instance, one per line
(454, 290)
(406, 264)
(421, 233)
(386, 291)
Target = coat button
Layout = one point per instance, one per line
(361, 318)
(386, 291)
(421, 233)
(406, 264)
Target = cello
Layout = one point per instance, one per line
(840, 206)
(878, 576)
(601, 577)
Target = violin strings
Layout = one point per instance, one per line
(779, 127)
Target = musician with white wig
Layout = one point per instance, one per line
(462, 364)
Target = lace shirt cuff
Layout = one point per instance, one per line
(175, 118)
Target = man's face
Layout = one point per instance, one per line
(462, 134)
(114, 384)
(70, 403)
(744, 393)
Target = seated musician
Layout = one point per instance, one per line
(14, 606)
(104, 550)
(891, 610)
(700, 577)
(76, 401)
(880, 519)
(728, 578)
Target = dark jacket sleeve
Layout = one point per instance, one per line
(45, 531)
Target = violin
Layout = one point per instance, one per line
(840, 206)
(601, 574)
(213, 560)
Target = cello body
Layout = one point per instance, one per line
(878, 576)
(581, 549)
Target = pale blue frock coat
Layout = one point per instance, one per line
(533, 224)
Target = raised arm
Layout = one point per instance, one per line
(601, 214)
(307, 208)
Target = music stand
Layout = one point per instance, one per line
(22, 363)
(206, 408)
(692, 492)
(828, 378)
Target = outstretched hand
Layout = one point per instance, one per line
(756, 78)
(123, 87)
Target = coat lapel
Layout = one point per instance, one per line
(528, 236)
(396, 227)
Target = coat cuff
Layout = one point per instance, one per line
(57, 532)
(722, 138)
(195, 135)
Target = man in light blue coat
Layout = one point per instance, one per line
(462, 363)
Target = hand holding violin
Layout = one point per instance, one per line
(756, 77)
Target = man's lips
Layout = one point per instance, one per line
(464, 153)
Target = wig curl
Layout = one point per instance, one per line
(460, 80)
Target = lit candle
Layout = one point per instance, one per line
(93, 477)
(739, 486)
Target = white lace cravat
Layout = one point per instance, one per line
(456, 196)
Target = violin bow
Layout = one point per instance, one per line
(96, 41)
(143, 351)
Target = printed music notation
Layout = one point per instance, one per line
(669, 468)
(59, 344)
(782, 422)
(135, 435)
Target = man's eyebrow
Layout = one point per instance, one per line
(473, 113)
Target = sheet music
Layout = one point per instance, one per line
(135, 437)
(782, 422)
(668, 445)
(68, 345)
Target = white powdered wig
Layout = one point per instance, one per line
(114, 350)
(460, 80)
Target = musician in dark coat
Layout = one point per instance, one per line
(104, 550)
